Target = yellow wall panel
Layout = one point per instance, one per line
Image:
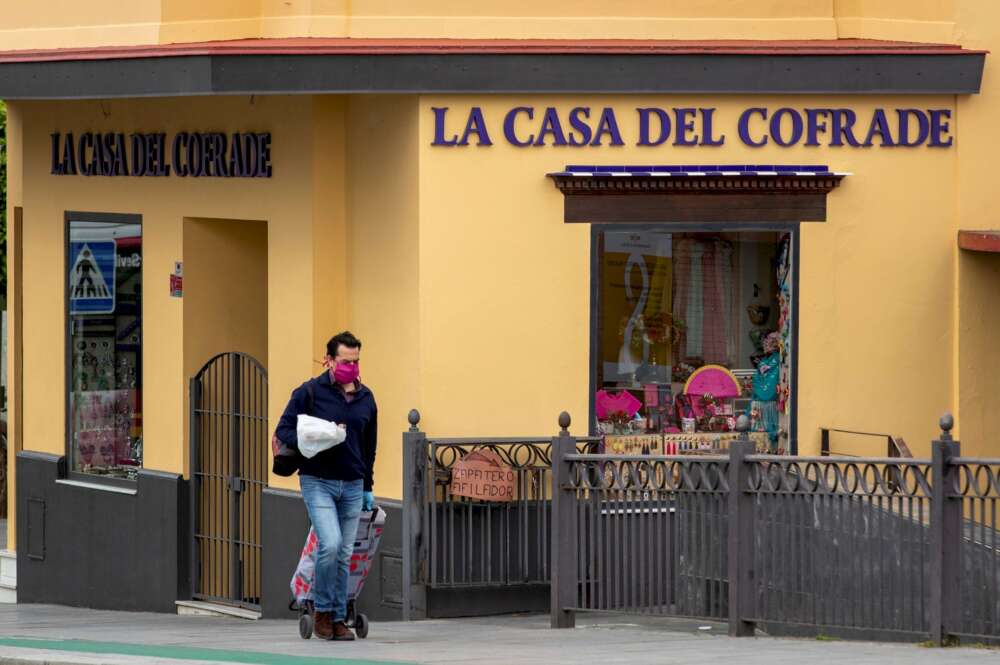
(67, 24)
(284, 201)
(384, 281)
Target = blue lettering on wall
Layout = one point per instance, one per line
(551, 127)
(880, 128)
(439, 139)
(743, 127)
(663, 122)
(578, 123)
(707, 135)
(684, 132)
(608, 124)
(209, 154)
(923, 127)
(508, 126)
(476, 125)
(777, 132)
(939, 127)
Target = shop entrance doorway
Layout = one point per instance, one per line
(223, 290)
(228, 474)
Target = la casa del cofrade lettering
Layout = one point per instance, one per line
(584, 126)
(186, 154)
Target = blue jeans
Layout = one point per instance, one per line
(334, 508)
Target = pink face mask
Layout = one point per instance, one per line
(345, 372)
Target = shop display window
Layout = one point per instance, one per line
(693, 330)
(104, 311)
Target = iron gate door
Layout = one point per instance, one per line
(228, 440)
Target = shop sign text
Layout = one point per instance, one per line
(584, 126)
(482, 475)
(194, 154)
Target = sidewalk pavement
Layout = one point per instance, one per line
(38, 634)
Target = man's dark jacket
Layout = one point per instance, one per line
(354, 458)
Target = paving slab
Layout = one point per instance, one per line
(37, 634)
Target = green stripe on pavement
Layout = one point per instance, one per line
(184, 653)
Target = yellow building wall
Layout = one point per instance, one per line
(384, 288)
(197, 20)
(65, 23)
(225, 295)
(977, 293)
(505, 283)
(225, 290)
(903, 20)
(330, 250)
(978, 359)
(450, 314)
(61, 23)
(329, 255)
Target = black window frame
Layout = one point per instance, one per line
(595, 293)
(70, 216)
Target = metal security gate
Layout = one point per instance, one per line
(229, 440)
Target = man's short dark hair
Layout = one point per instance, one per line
(345, 339)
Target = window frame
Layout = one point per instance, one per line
(596, 246)
(70, 216)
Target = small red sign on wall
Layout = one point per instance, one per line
(176, 286)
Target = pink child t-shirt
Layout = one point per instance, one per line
(606, 404)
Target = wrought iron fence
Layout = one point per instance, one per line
(872, 547)
(877, 547)
(480, 543)
(649, 534)
(976, 488)
(841, 543)
(455, 542)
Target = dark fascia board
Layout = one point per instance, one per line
(704, 73)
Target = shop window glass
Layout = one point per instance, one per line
(693, 330)
(104, 269)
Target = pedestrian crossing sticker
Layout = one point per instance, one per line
(92, 277)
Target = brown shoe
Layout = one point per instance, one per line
(323, 628)
(341, 632)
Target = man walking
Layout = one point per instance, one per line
(337, 483)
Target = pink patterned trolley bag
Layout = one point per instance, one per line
(365, 546)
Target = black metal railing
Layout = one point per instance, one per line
(456, 542)
(976, 488)
(841, 543)
(877, 547)
(895, 446)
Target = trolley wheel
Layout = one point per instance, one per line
(361, 626)
(305, 625)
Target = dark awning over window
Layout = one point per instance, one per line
(710, 193)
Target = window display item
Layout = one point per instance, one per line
(607, 403)
(714, 381)
(638, 444)
(765, 381)
(764, 418)
(764, 407)
(784, 322)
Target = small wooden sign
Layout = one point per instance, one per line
(483, 475)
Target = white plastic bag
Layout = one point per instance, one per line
(316, 435)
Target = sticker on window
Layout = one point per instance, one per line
(92, 277)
